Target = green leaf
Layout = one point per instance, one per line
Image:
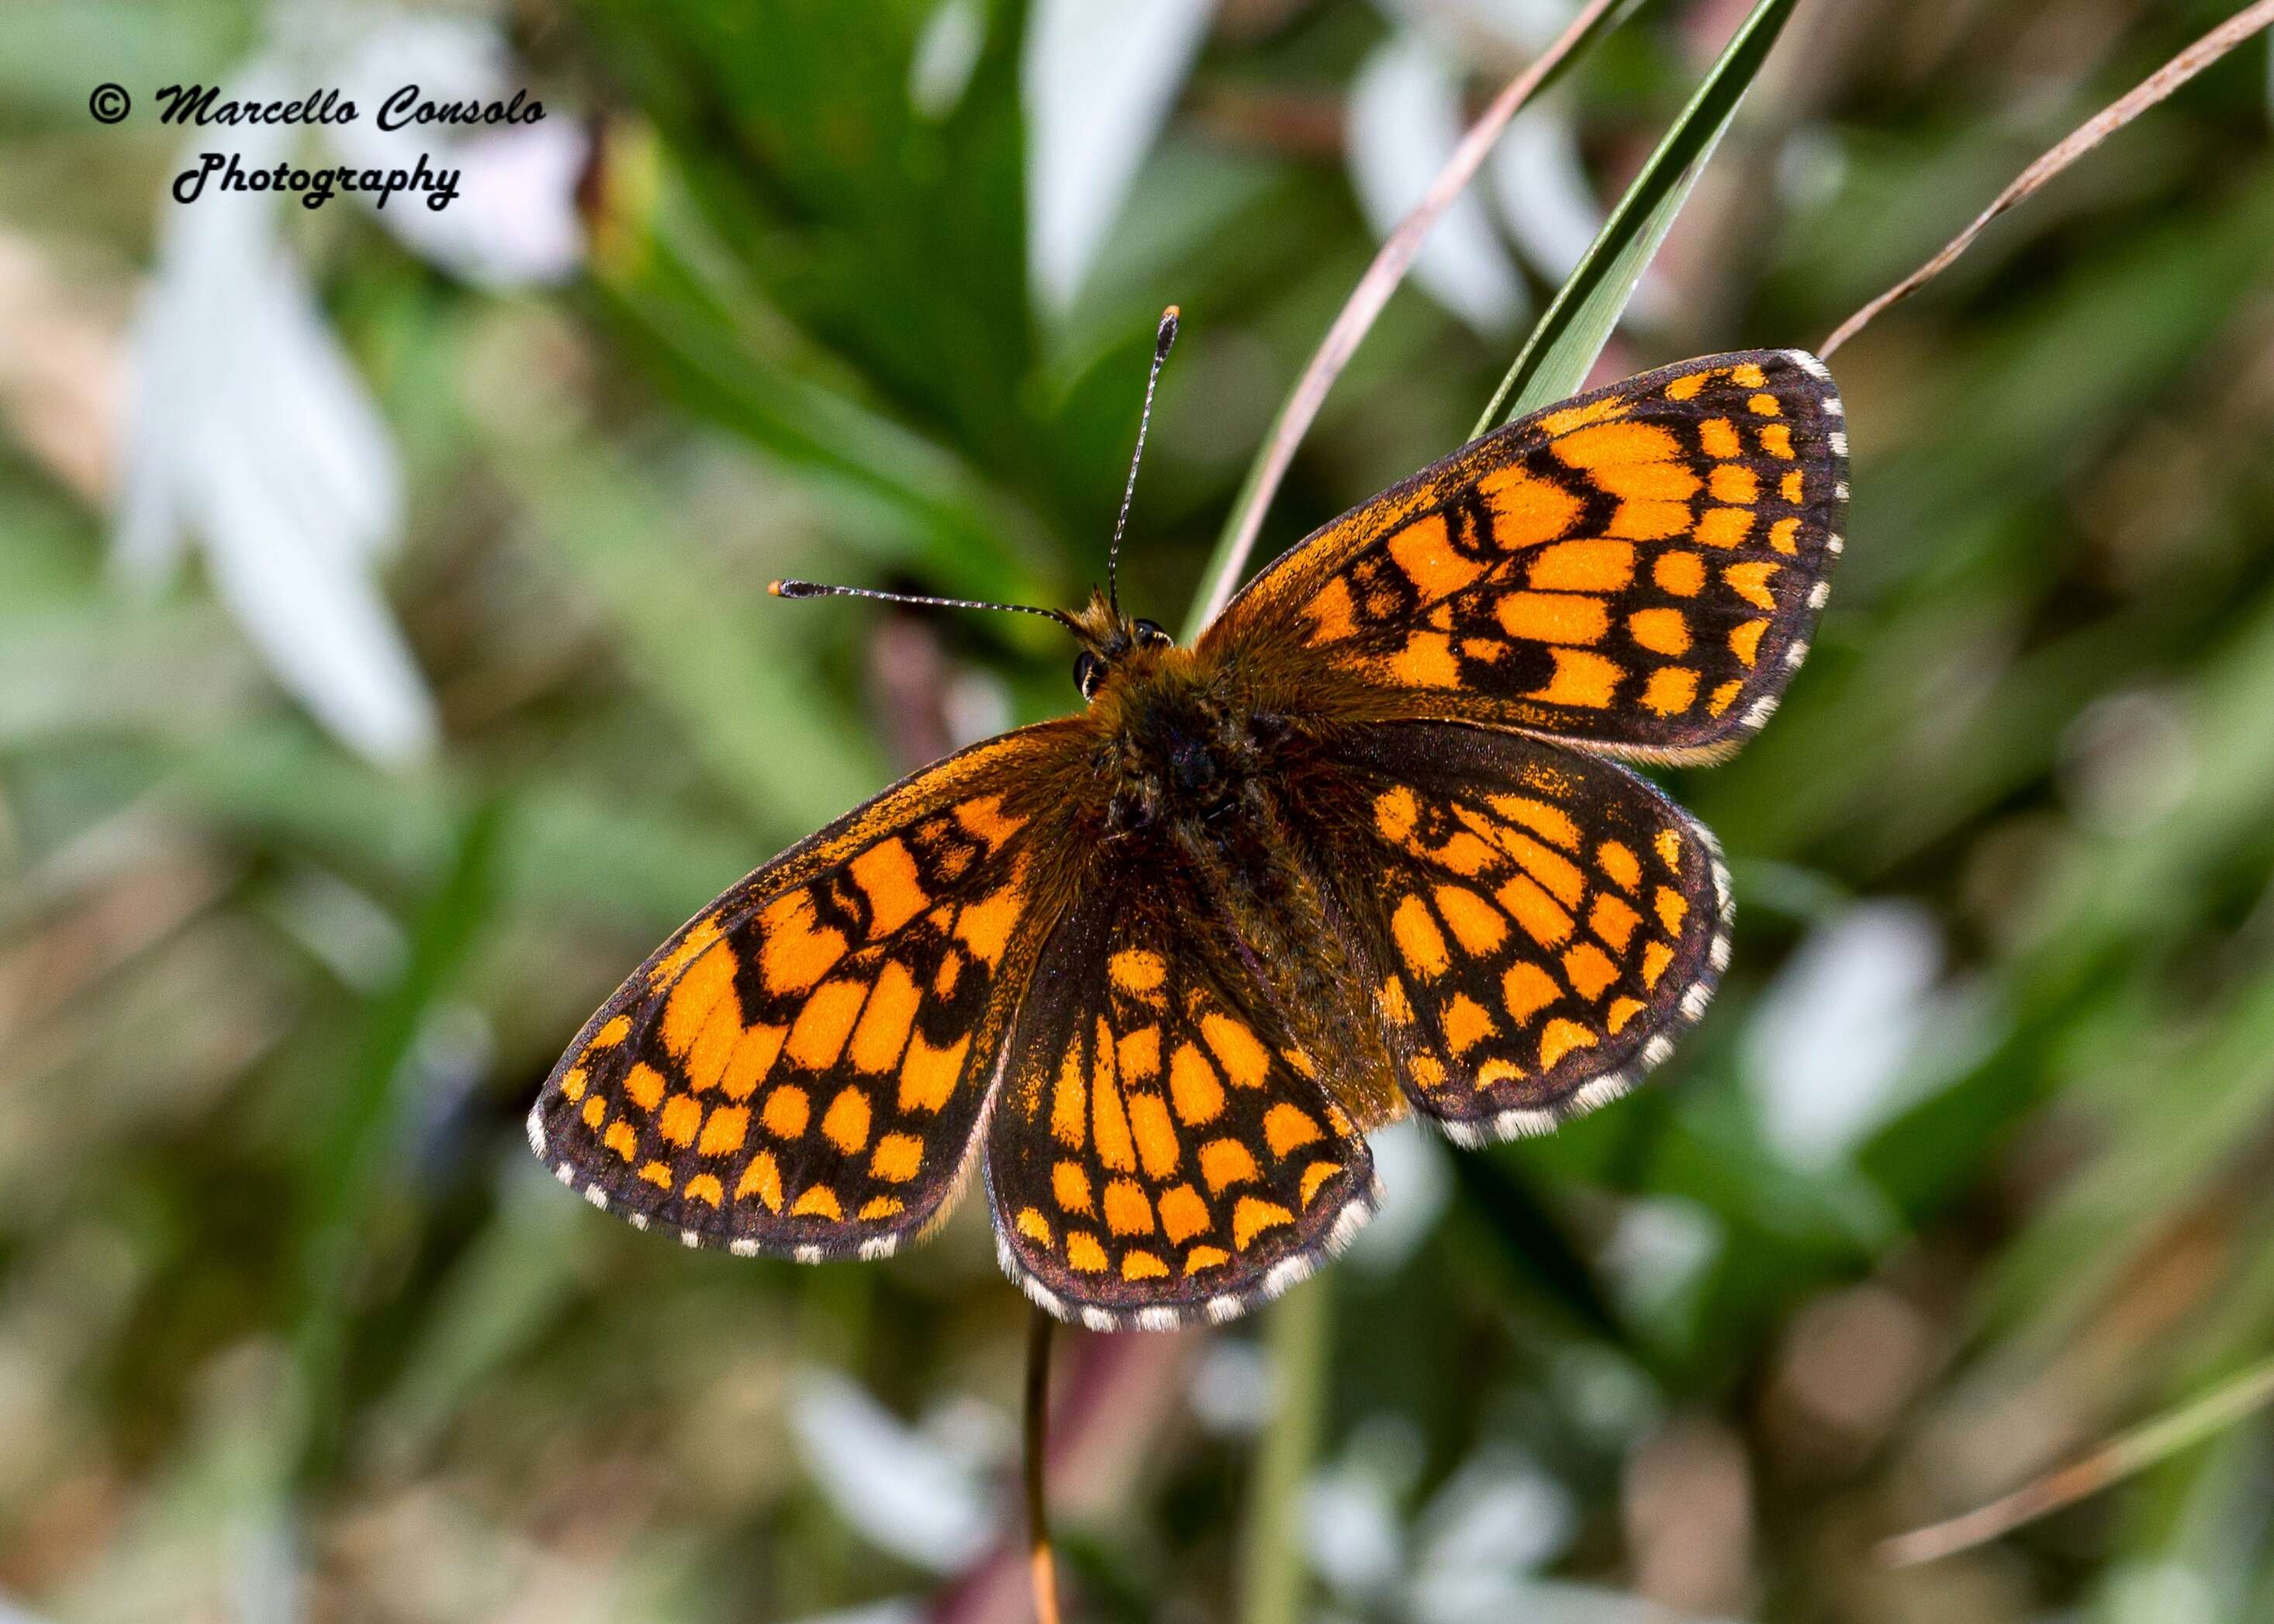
(1555, 360)
(350, 1171)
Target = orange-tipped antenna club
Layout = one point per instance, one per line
(815, 588)
(1163, 337)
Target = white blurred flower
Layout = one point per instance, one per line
(905, 1494)
(1471, 1555)
(1498, 1518)
(266, 1568)
(1350, 1531)
(1525, 26)
(969, 1429)
(1416, 1183)
(2128, 762)
(1501, 1512)
(947, 49)
(1603, 1395)
(1540, 189)
(1548, 204)
(1491, 1599)
(1230, 1392)
(1659, 1247)
(2169, 1592)
(1098, 82)
(976, 705)
(1854, 1029)
(899, 1610)
(248, 429)
(515, 220)
(354, 937)
(1811, 168)
(1405, 118)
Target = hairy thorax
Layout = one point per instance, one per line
(1178, 746)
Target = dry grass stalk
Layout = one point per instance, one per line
(2088, 135)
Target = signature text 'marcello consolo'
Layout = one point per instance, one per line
(202, 104)
(405, 109)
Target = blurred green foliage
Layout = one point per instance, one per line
(285, 1308)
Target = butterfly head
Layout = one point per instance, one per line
(1112, 641)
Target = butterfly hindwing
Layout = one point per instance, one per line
(1637, 569)
(801, 1070)
(1161, 1148)
(1542, 921)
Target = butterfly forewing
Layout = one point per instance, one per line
(1162, 1147)
(802, 1069)
(1540, 921)
(1637, 569)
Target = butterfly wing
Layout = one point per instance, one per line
(1161, 1148)
(801, 1070)
(1636, 570)
(1537, 923)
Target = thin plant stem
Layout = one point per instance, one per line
(2080, 142)
(1389, 267)
(1041, 1563)
(1272, 1560)
(2130, 1452)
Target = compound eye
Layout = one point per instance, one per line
(1150, 634)
(1089, 670)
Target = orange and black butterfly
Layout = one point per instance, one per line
(1366, 848)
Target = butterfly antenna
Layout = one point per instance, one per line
(1163, 338)
(815, 588)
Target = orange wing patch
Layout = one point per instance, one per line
(1161, 1150)
(1637, 571)
(801, 1070)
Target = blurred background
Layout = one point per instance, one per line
(386, 666)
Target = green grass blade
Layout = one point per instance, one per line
(1554, 359)
(348, 1172)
